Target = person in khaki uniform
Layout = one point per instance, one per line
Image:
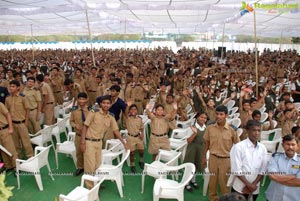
(159, 128)
(18, 106)
(73, 88)
(80, 80)
(48, 100)
(138, 93)
(57, 86)
(219, 139)
(95, 127)
(135, 136)
(34, 97)
(128, 87)
(92, 86)
(77, 119)
(6, 140)
(100, 87)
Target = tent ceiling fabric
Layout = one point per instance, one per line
(139, 16)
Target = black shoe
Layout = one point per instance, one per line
(189, 188)
(133, 170)
(142, 165)
(195, 185)
(78, 172)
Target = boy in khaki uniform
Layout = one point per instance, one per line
(74, 89)
(92, 86)
(135, 136)
(6, 140)
(34, 97)
(77, 119)
(219, 139)
(159, 128)
(18, 106)
(57, 86)
(48, 100)
(95, 127)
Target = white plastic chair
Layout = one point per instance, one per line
(181, 133)
(235, 122)
(114, 172)
(271, 146)
(233, 110)
(185, 124)
(230, 104)
(235, 115)
(189, 109)
(67, 147)
(179, 145)
(239, 131)
(42, 137)
(163, 159)
(264, 117)
(265, 134)
(262, 109)
(268, 123)
(206, 175)
(61, 126)
(297, 105)
(168, 189)
(83, 194)
(34, 164)
(111, 150)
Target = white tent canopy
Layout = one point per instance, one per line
(139, 16)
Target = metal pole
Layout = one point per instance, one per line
(91, 42)
(32, 47)
(280, 42)
(222, 54)
(256, 59)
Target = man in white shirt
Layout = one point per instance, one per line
(248, 160)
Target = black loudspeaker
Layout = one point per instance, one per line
(220, 51)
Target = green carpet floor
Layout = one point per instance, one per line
(64, 182)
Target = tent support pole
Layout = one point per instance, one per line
(222, 54)
(32, 43)
(280, 42)
(256, 59)
(90, 35)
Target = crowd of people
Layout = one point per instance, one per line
(110, 91)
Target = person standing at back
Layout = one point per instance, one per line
(219, 139)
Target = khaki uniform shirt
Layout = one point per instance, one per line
(138, 93)
(159, 125)
(99, 123)
(4, 83)
(59, 83)
(76, 119)
(82, 83)
(128, 91)
(3, 113)
(134, 125)
(17, 106)
(220, 140)
(75, 91)
(34, 96)
(91, 83)
(46, 90)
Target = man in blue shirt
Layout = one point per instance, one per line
(284, 172)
